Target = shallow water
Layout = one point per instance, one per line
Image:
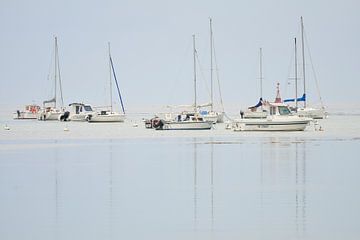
(119, 182)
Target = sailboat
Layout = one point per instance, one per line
(257, 111)
(110, 115)
(189, 120)
(305, 111)
(50, 110)
(212, 115)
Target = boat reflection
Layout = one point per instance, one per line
(206, 186)
(283, 180)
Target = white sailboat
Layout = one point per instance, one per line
(257, 111)
(305, 111)
(110, 115)
(279, 118)
(212, 115)
(187, 121)
(50, 110)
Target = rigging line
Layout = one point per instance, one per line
(180, 69)
(288, 77)
(313, 70)
(49, 71)
(290, 68)
(117, 85)
(218, 78)
(202, 73)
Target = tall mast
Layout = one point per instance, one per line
(56, 53)
(211, 66)
(110, 71)
(303, 56)
(296, 102)
(194, 53)
(261, 75)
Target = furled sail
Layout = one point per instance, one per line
(260, 103)
(301, 99)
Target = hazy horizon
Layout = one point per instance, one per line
(152, 51)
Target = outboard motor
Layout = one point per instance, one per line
(88, 117)
(64, 117)
(158, 124)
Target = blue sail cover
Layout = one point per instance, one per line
(257, 105)
(302, 99)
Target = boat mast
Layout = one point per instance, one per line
(296, 102)
(59, 77)
(261, 75)
(211, 66)
(194, 53)
(55, 74)
(110, 71)
(303, 56)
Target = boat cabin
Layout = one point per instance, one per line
(279, 109)
(190, 117)
(78, 108)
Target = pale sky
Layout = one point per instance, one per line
(152, 52)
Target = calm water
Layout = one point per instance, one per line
(257, 186)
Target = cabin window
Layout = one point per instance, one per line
(88, 108)
(272, 110)
(77, 109)
(284, 110)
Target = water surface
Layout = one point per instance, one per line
(164, 186)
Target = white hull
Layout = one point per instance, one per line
(214, 117)
(25, 115)
(49, 116)
(78, 117)
(112, 117)
(292, 123)
(315, 113)
(210, 118)
(188, 125)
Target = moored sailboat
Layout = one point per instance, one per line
(305, 110)
(110, 115)
(50, 111)
(191, 121)
(212, 115)
(257, 111)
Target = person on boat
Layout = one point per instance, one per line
(241, 114)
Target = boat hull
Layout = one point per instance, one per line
(271, 124)
(188, 125)
(215, 117)
(49, 116)
(113, 117)
(314, 113)
(78, 117)
(25, 115)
